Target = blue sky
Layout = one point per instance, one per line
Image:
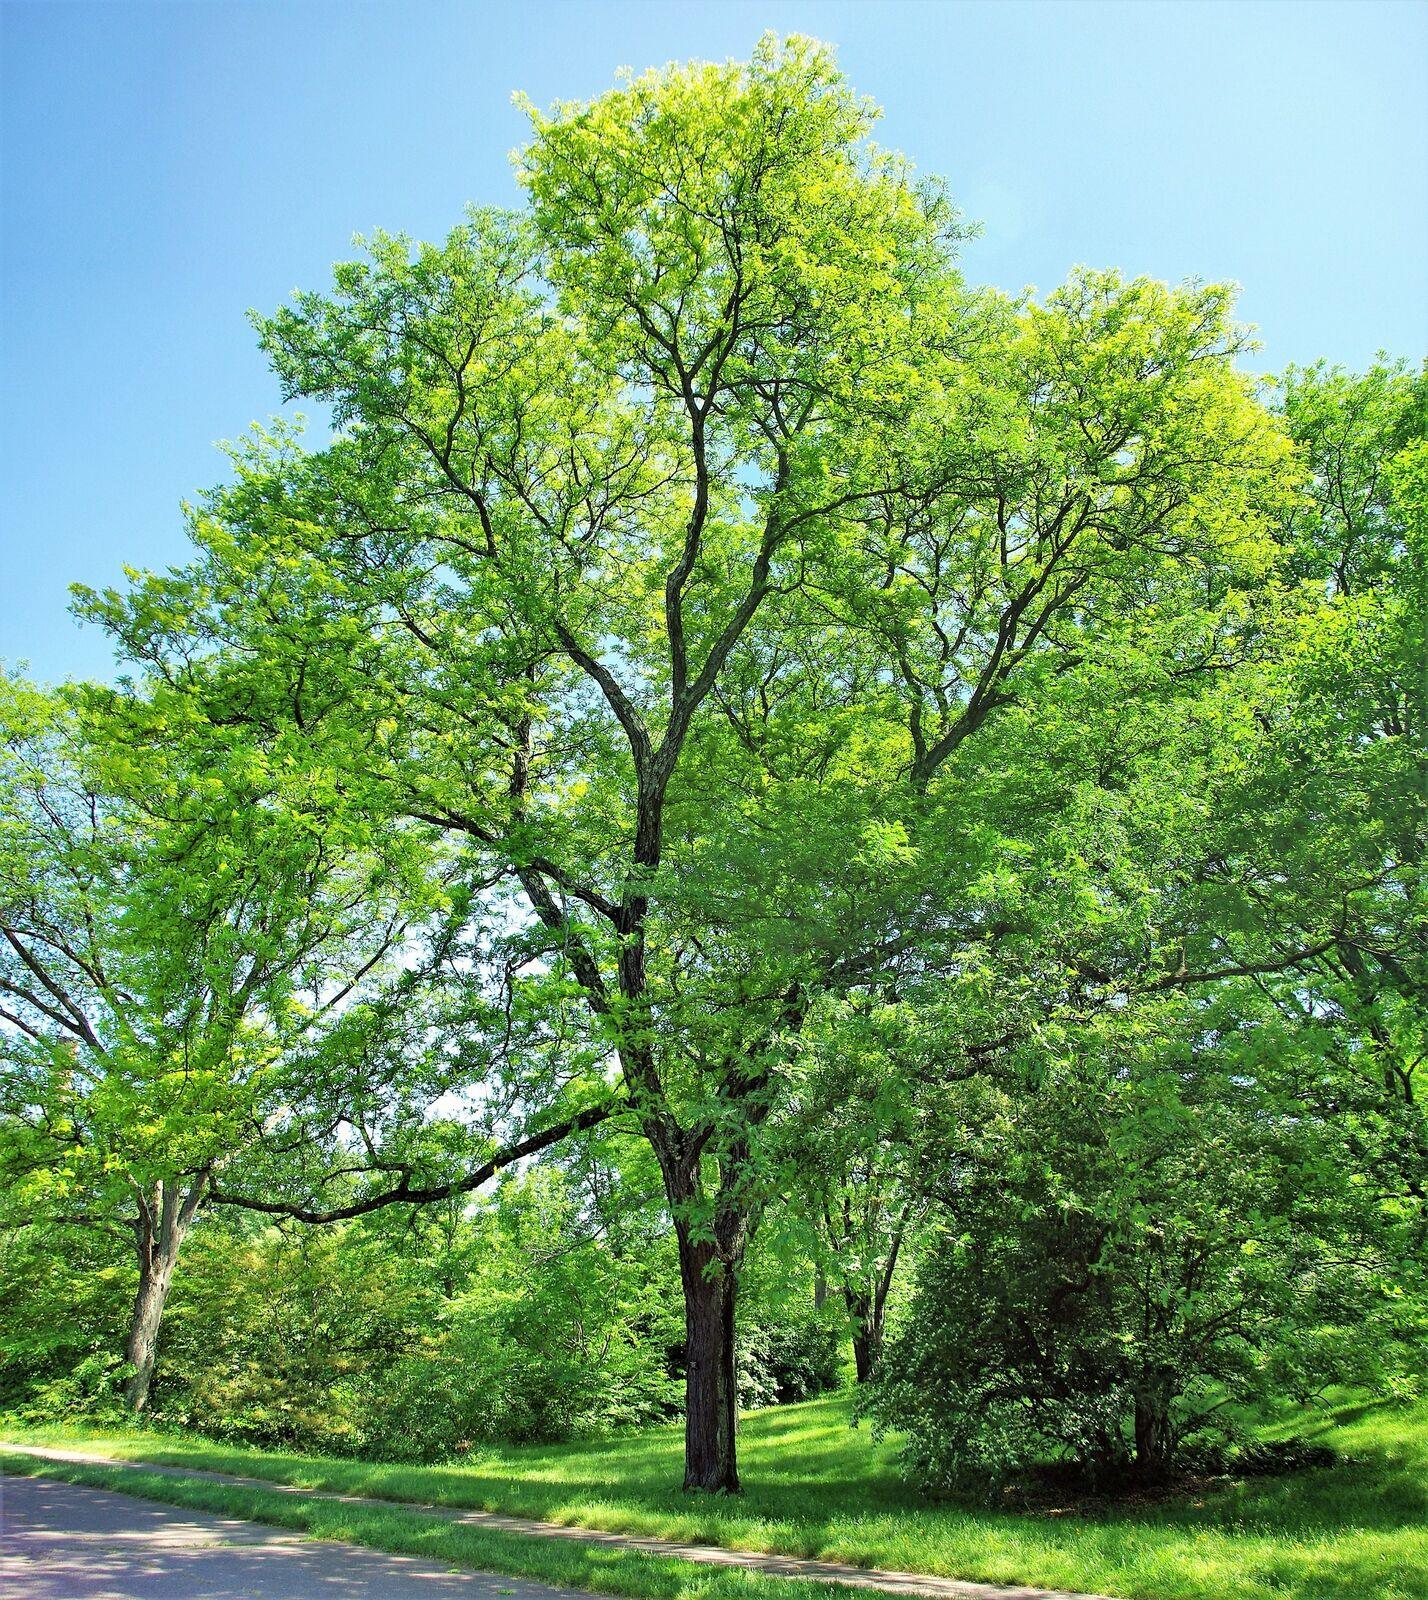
(166, 166)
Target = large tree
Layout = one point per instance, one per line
(693, 548)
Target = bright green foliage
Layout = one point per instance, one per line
(728, 680)
(554, 1334)
(549, 1312)
(276, 1338)
(1317, 814)
(701, 558)
(164, 946)
(1229, 1203)
(1346, 766)
(65, 1295)
(173, 934)
(789, 1346)
(849, 1147)
(415, 1335)
(345, 1340)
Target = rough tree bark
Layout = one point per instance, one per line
(866, 1315)
(710, 1256)
(711, 1387)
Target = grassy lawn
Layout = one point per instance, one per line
(815, 1487)
(629, 1573)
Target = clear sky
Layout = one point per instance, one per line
(165, 166)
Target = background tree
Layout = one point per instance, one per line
(164, 948)
(1348, 746)
(1298, 864)
(849, 1143)
(1236, 895)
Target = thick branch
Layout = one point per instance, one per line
(405, 1194)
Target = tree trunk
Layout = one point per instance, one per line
(865, 1354)
(142, 1345)
(866, 1313)
(711, 1387)
(1152, 1434)
(165, 1215)
(711, 1251)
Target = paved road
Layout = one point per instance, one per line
(59, 1541)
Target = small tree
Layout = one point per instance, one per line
(1131, 1242)
(848, 1144)
(166, 944)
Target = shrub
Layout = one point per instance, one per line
(1123, 1258)
(787, 1357)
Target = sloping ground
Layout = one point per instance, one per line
(816, 1488)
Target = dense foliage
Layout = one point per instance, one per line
(548, 1312)
(1135, 1256)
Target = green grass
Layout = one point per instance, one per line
(595, 1568)
(815, 1487)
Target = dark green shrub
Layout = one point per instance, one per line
(1123, 1259)
(787, 1355)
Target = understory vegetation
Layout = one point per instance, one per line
(411, 1337)
(756, 828)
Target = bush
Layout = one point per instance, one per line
(1123, 1258)
(92, 1390)
(364, 1340)
(787, 1357)
(65, 1298)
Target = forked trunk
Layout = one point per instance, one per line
(165, 1215)
(867, 1311)
(710, 1384)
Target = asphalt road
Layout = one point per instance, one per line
(59, 1541)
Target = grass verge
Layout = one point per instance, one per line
(814, 1487)
(405, 1531)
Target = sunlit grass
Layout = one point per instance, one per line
(814, 1486)
(403, 1531)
